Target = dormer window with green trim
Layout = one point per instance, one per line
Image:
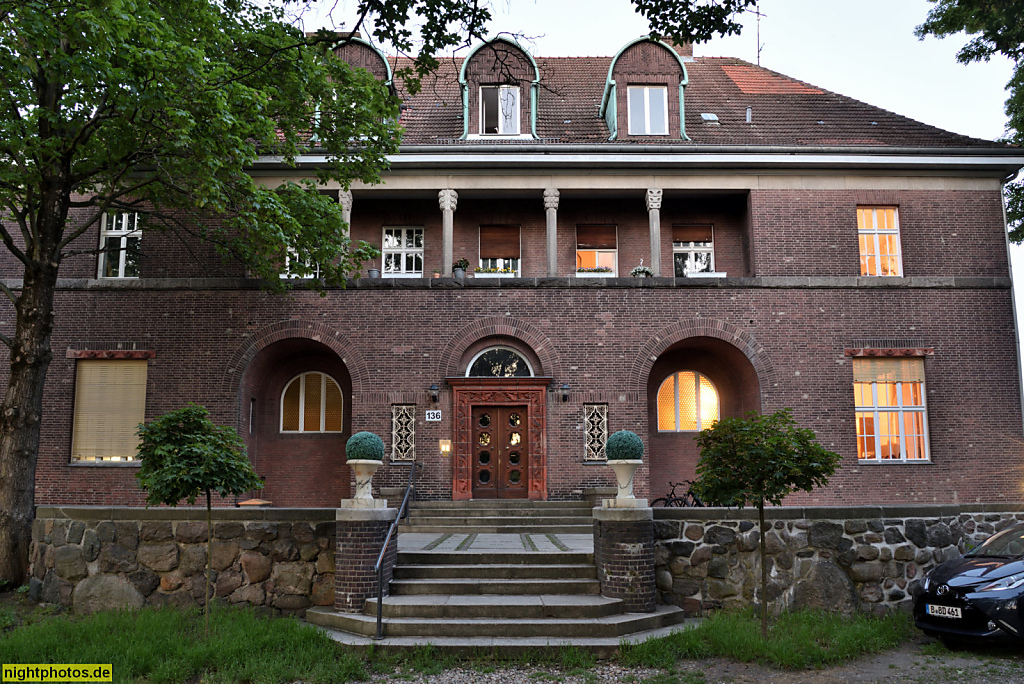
(648, 110)
(499, 110)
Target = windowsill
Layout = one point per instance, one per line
(595, 275)
(478, 274)
(707, 274)
(594, 462)
(401, 275)
(495, 136)
(117, 278)
(893, 461)
(105, 464)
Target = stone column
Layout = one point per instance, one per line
(345, 197)
(654, 217)
(624, 555)
(361, 533)
(551, 209)
(447, 199)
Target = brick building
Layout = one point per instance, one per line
(808, 251)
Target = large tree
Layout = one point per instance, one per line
(161, 107)
(997, 27)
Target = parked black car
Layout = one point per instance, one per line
(978, 597)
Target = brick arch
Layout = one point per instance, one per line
(302, 329)
(463, 339)
(701, 327)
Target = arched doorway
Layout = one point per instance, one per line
(297, 395)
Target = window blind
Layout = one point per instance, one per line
(595, 237)
(110, 402)
(499, 242)
(888, 370)
(682, 233)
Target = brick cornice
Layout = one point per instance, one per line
(499, 326)
(891, 353)
(113, 354)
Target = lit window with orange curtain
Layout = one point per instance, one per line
(687, 402)
(879, 233)
(891, 416)
(596, 249)
(311, 402)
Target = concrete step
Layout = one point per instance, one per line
(499, 503)
(513, 527)
(495, 558)
(461, 586)
(496, 571)
(495, 607)
(528, 513)
(609, 626)
(495, 520)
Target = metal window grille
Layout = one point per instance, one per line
(595, 419)
(403, 432)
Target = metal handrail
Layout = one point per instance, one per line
(379, 567)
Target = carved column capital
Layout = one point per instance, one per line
(551, 198)
(447, 199)
(653, 198)
(345, 198)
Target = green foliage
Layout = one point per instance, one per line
(184, 455)
(796, 640)
(624, 445)
(759, 459)
(694, 21)
(167, 647)
(364, 445)
(996, 28)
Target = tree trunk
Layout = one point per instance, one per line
(764, 570)
(20, 416)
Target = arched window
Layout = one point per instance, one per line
(499, 362)
(687, 401)
(311, 402)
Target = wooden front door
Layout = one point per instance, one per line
(500, 452)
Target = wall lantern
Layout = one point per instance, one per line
(445, 445)
(434, 389)
(565, 392)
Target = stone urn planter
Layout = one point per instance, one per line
(624, 471)
(364, 468)
(624, 451)
(364, 453)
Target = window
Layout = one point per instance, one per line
(294, 267)
(892, 422)
(110, 402)
(499, 249)
(879, 233)
(595, 423)
(687, 402)
(403, 432)
(403, 252)
(499, 362)
(648, 110)
(311, 402)
(119, 245)
(693, 250)
(596, 250)
(499, 110)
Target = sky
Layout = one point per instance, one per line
(864, 49)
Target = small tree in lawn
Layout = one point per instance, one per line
(760, 459)
(184, 455)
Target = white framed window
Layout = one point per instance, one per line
(110, 402)
(312, 402)
(294, 267)
(892, 417)
(648, 110)
(403, 251)
(687, 402)
(693, 249)
(403, 432)
(596, 250)
(499, 110)
(120, 238)
(595, 423)
(499, 249)
(878, 231)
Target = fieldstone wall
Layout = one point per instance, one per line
(850, 559)
(94, 558)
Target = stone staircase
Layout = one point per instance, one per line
(478, 575)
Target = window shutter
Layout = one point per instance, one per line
(110, 402)
(691, 233)
(595, 237)
(499, 242)
(888, 370)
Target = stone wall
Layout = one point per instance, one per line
(847, 558)
(94, 558)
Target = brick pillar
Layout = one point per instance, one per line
(361, 533)
(624, 555)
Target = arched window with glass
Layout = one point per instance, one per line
(312, 402)
(687, 402)
(499, 362)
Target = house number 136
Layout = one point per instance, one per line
(433, 416)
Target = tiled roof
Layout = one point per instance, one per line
(784, 111)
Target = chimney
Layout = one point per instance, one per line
(685, 50)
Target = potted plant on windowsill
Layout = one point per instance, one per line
(624, 451)
(460, 267)
(495, 273)
(437, 273)
(642, 271)
(364, 453)
(594, 272)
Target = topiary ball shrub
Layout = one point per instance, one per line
(624, 445)
(364, 445)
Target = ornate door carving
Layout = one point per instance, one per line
(500, 452)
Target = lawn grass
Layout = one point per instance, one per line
(796, 640)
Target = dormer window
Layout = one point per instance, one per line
(648, 110)
(499, 110)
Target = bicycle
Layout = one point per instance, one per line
(686, 500)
